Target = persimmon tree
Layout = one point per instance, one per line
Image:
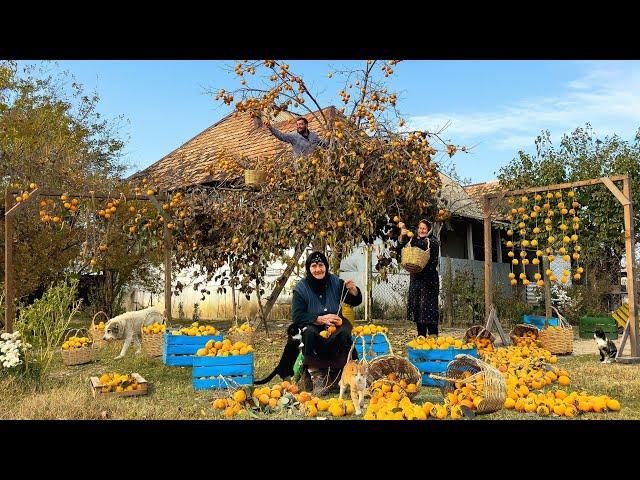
(370, 175)
(52, 136)
(356, 189)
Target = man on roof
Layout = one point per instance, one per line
(304, 141)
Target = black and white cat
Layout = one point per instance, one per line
(607, 348)
(291, 350)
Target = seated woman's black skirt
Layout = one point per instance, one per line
(329, 352)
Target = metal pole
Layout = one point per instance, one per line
(488, 300)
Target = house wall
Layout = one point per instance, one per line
(453, 239)
(219, 305)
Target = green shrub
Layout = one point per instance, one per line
(43, 324)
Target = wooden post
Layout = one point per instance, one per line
(9, 291)
(167, 257)
(488, 300)
(492, 319)
(632, 288)
(167, 274)
(547, 291)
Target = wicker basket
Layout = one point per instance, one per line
(391, 383)
(520, 329)
(383, 365)
(494, 390)
(254, 177)
(152, 343)
(96, 334)
(558, 341)
(246, 337)
(76, 356)
(478, 331)
(414, 259)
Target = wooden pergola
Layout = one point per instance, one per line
(491, 200)
(12, 209)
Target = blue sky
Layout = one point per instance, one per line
(498, 106)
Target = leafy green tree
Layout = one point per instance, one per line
(52, 135)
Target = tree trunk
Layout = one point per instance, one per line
(235, 305)
(260, 309)
(282, 281)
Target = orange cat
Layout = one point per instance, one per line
(354, 375)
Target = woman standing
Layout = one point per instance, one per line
(315, 304)
(424, 286)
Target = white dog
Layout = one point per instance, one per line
(129, 326)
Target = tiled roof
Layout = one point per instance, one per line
(458, 199)
(237, 134)
(479, 189)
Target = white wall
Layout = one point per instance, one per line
(220, 305)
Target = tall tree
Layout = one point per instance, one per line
(370, 175)
(52, 135)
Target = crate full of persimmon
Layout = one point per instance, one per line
(223, 364)
(432, 355)
(375, 341)
(181, 344)
(119, 385)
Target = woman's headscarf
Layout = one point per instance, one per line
(316, 285)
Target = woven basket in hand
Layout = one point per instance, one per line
(383, 365)
(414, 259)
(254, 177)
(77, 356)
(559, 341)
(520, 329)
(493, 388)
(478, 331)
(95, 333)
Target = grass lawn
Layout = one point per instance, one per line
(66, 394)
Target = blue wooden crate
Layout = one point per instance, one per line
(235, 369)
(538, 321)
(380, 346)
(435, 361)
(179, 350)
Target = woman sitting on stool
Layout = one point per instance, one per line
(315, 304)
